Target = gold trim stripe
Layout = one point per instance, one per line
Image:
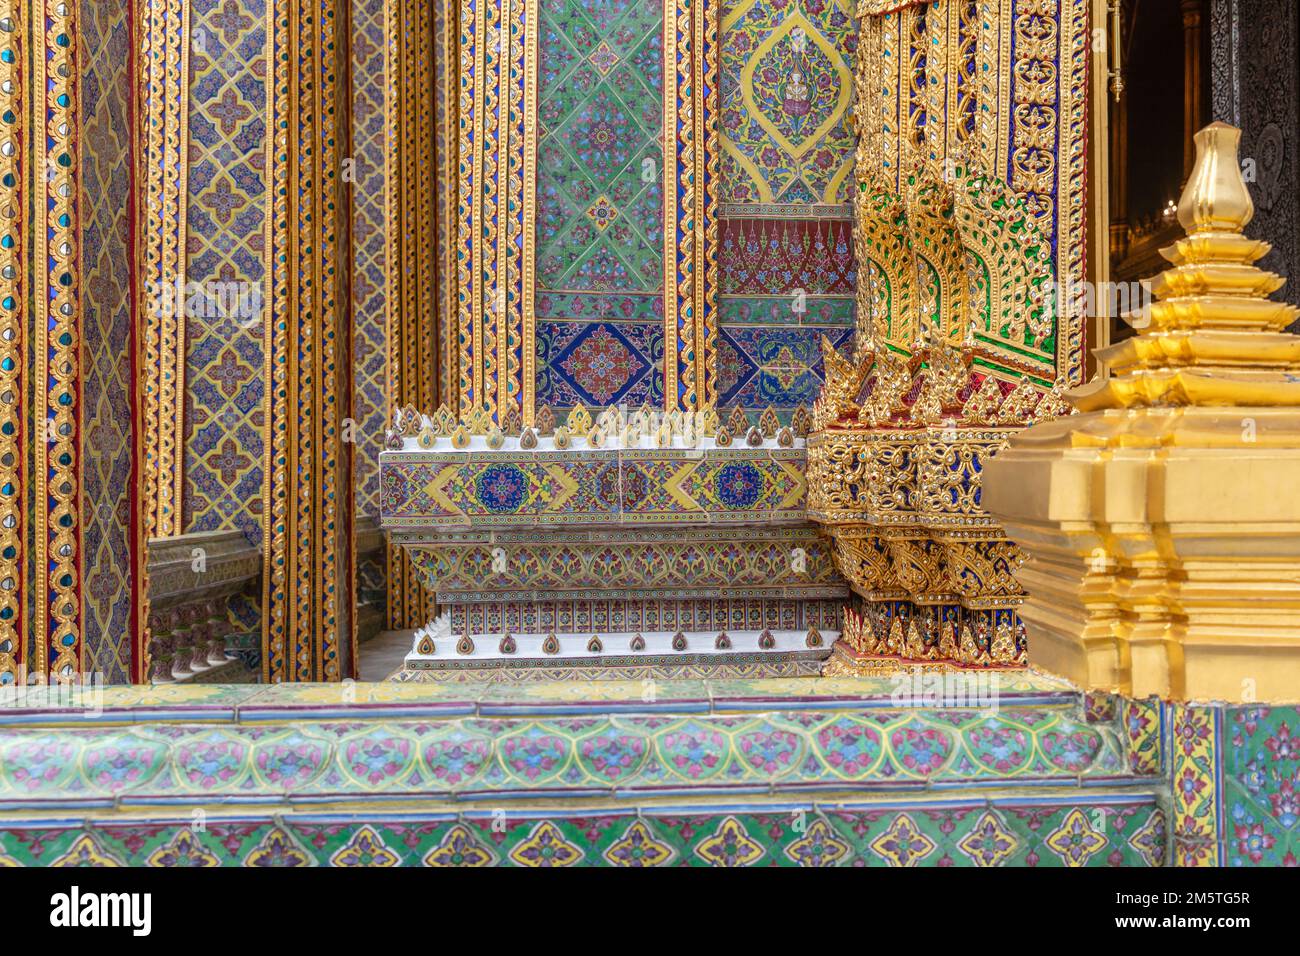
(308, 581)
(528, 286)
(57, 561)
(668, 182)
(13, 324)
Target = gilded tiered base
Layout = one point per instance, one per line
(1164, 549)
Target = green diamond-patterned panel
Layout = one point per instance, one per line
(598, 190)
(782, 772)
(600, 204)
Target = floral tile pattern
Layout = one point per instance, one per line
(454, 753)
(1261, 786)
(227, 182)
(369, 305)
(1011, 831)
(107, 386)
(418, 774)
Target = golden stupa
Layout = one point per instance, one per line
(1161, 520)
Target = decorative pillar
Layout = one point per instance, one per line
(68, 549)
(422, 151)
(1164, 540)
(164, 139)
(309, 579)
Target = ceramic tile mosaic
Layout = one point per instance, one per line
(622, 755)
(1106, 830)
(600, 204)
(785, 258)
(627, 775)
(107, 388)
(227, 177)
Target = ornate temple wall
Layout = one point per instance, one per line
(785, 259)
(67, 539)
(107, 385)
(1255, 86)
(683, 243)
(225, 242)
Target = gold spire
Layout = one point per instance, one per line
(1164, 540)
(1215, 338)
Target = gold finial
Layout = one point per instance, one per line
(1214, 337)
(1215, 198)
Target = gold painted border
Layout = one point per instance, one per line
(940, 32)
(309, 547)
(13, 349)
(668, 172)
(528, 287)
(164, 173)
(58, 559)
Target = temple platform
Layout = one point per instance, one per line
(925, 767)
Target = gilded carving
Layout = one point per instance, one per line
(958, 342)
(13, 331)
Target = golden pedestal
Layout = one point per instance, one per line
(1163, 522)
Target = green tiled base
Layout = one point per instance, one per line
(846, 771)
(1104, 830)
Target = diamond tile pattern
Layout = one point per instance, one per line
(600, 203)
